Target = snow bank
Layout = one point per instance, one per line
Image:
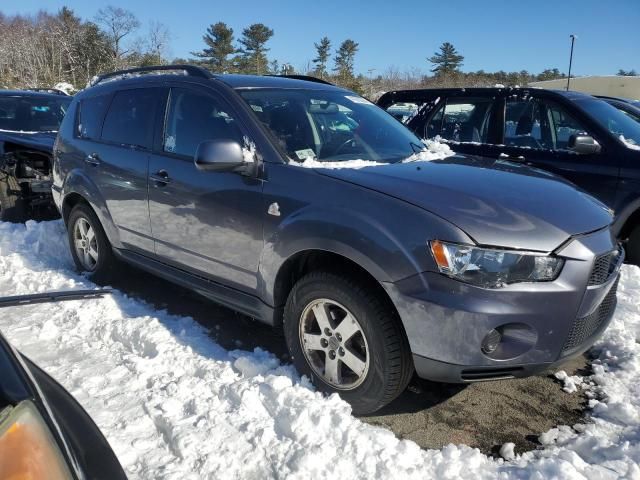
(65, 87)
(435, 150)
(175, 405)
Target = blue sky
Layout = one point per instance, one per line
(492, 35)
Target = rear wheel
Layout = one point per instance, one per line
(12, 207)
(90, 248)
(633, 247)
(347, 340)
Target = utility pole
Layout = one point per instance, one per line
(370, 72)
(573, 39)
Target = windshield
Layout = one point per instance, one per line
(619, 124)
(331, 126)
(32, 113)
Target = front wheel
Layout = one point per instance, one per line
(90, 248)
(347, 340)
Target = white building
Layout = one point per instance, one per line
(612, 86)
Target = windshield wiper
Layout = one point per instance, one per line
(50, 297)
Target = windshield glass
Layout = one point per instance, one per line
(621, 125)
(331, 126)
(32, 113)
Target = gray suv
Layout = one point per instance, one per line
(461, 269)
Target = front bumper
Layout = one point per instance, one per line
(542, 324)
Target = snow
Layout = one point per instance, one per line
(434, 150)
(507, 451)
(570, 383)
(175, 405)
(65, 87)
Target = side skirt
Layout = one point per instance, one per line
(229, 297)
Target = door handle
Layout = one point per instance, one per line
(161, 177)
(92, 159)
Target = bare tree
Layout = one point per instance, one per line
(157, 42)
(117, 23)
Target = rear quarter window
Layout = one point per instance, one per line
(90, 115)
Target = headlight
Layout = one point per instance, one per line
(493, 268)
(27, 448)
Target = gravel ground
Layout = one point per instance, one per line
(483, 415)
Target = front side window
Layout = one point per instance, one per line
(564, 126)
(193, 118)
(462, 120)
(32, 113)
(330, 125)
(131, 116)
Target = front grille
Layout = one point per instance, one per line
(585, 327)
(603, 266)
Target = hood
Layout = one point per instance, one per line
(42, 141)
(495, 202)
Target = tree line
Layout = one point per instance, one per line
(44, 49)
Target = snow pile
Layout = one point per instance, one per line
(65, 87)
(434, 150)
(570, 383)
(175, 405)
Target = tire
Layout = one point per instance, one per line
(98, 259)
(633, 247)
(12, 208)
(387, 361)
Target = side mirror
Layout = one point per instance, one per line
(222, 155)
(584, 144)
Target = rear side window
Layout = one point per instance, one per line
(130, 119)
(90, 116)
(462, 120)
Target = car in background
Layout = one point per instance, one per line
(627, 106)
(44, 432)
(579, 137)
(307, 207)
(29, 122)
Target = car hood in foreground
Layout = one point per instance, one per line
(495, 202)
(41, 141)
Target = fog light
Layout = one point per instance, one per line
(491, 341)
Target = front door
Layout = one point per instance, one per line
(209, 223)
(537, 132)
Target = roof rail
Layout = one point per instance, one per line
(53, 91)
(192, 70)
(308, 78)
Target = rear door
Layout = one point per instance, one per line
(537, 132)
(208, 223)
(117, 153)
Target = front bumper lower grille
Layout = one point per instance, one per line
(604, 266)
(585, 327)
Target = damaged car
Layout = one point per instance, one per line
(29, 122)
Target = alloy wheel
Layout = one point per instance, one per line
(334, 344)
(86, 244)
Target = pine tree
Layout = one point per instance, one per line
(323, 51)
(253, 56)
(447, 61)
(345, 58)
(219, 41)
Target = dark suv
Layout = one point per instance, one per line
(463, 268)
(579, 137)
(29, 122)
